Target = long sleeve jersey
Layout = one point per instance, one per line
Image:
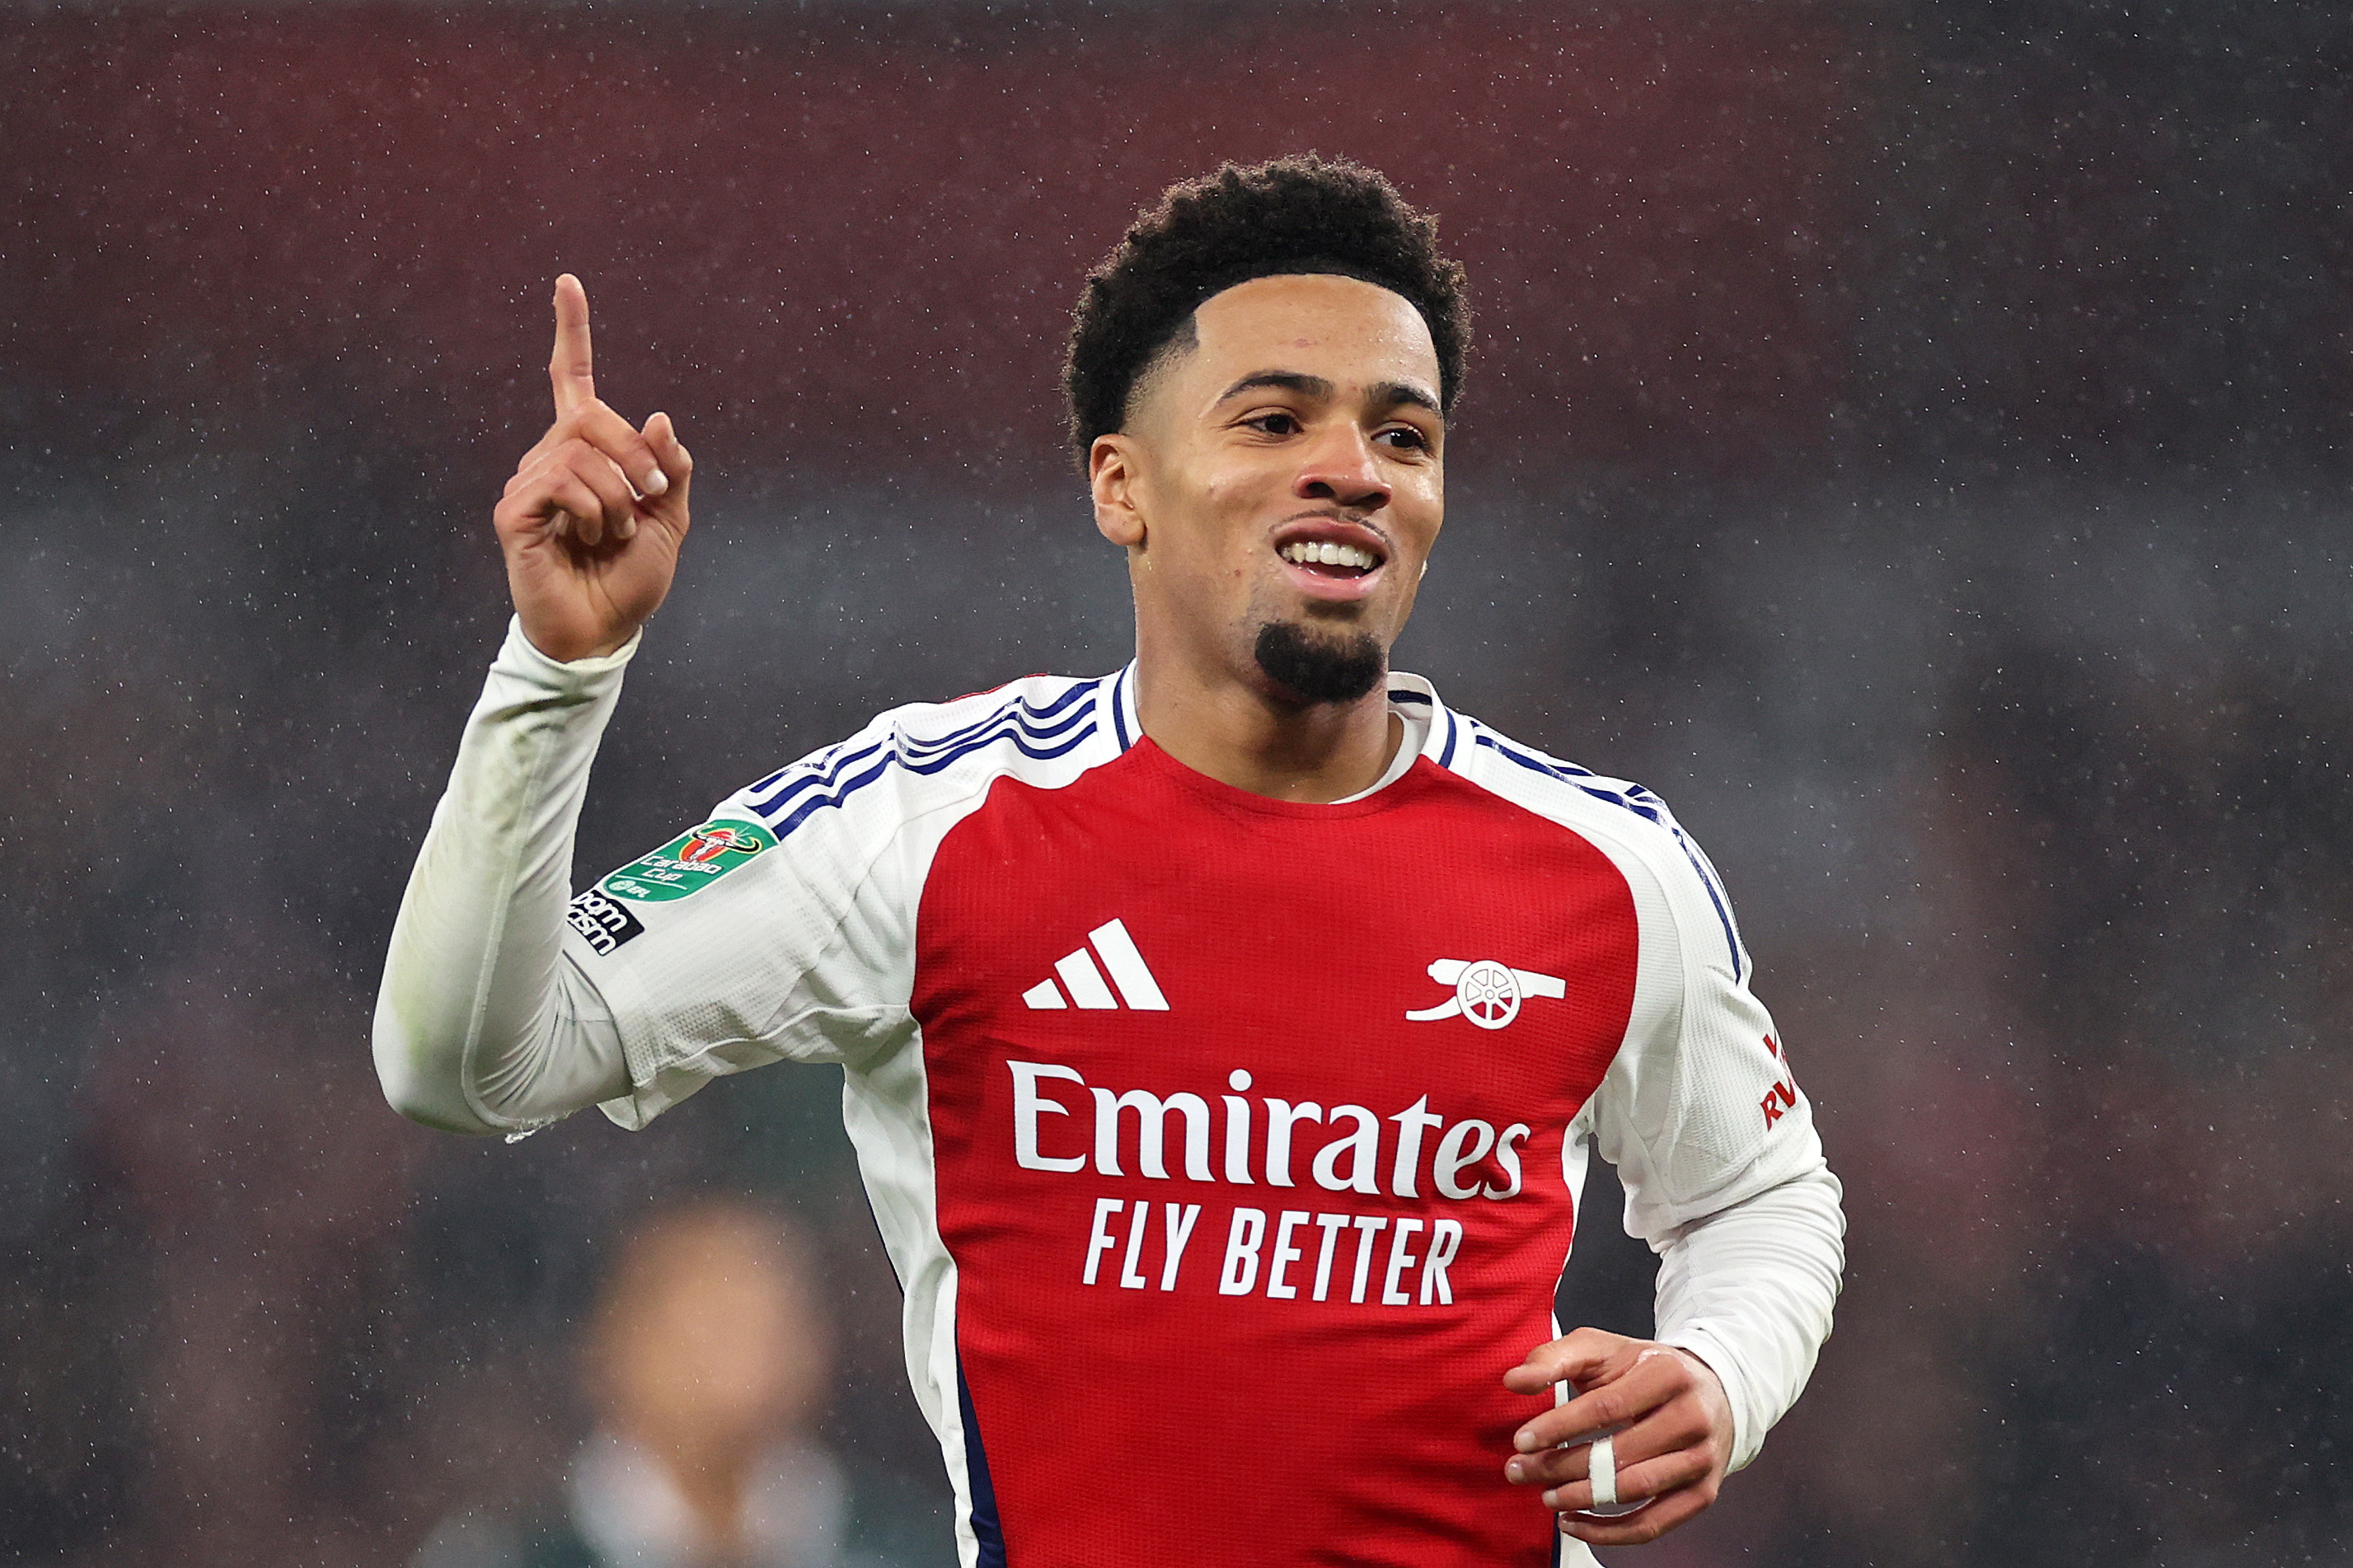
(1228, 1148)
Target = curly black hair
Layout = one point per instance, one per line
(1300, 214)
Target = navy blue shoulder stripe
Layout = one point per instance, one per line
(838, 758)
(1021, 708)
(822, 771)
(1025, 720)
(843, 773)
(1638, 800)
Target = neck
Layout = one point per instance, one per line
(1260, 743)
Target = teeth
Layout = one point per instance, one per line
(1305, 553)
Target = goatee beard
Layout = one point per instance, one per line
(1320, 669)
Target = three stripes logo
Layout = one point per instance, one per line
(1084, 981)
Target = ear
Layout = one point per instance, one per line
(1114, 477)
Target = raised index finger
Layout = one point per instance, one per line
(569, 369)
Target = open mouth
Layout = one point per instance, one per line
(1326, 559)
(1340, 555)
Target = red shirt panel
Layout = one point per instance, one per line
(1124, 1420)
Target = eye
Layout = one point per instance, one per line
(1404, 439)
(1278, 422)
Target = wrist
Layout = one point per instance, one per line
(555, 654)
(558, 648)
(1716, 1399)
(1699, 1366)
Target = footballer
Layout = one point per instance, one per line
(1225, 1037)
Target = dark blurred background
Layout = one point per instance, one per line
(1912, 438)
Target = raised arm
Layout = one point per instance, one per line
(482, 1026)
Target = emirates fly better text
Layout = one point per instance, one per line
(1285, 1254)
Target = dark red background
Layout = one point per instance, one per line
(1912, 436)
(863, 238)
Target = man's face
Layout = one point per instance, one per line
(712, 1344)
(1280, 485)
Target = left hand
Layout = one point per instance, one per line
(1675, 1447)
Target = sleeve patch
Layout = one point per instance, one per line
(604, 924)
(691, 862)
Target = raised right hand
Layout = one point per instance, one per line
(593, 519)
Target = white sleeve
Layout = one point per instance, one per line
(794, 943)
(484, 1023)
(1748, 1289)
(1724, 1172)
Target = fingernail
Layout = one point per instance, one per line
(1526, 1442)
(1552, 1499)
(628, 528)
(1517, 1470)
(657, 484)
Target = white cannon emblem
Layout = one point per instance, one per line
(1485, 992)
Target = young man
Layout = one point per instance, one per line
(1224, 1038)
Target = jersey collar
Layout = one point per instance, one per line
(1440, 743)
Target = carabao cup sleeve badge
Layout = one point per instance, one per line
(691, 862)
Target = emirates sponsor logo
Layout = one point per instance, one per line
(1328, 1250)
(1279, 1142)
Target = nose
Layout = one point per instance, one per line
(1341, 467)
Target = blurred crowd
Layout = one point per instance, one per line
(1965, 555)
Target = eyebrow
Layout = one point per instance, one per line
(1387, 394)
(1391, 394)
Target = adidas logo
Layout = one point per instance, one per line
(1117, 951)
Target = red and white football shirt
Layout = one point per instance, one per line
(1228, 1148)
